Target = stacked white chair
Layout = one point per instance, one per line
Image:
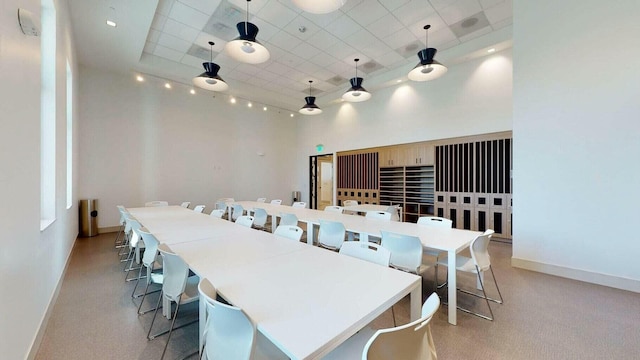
(331, 235)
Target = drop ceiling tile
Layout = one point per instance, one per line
(461, 9)
(350, 60)
(302, 28)
(158, 22)
(149, 47)
(323, 40)
(207, 7)
(225, 61)
(485, 30)
(374, 50)
(361, 37)
(470, 24)
(164, 7)
(291, 60)
(448, 45)
(181, 30)
(409, 50)
(174, 43)
(350, 4)
(203, 41)
(338, 80)
(384, 26)
(499, 12)
(440, 37)
(399, 38)
(267, 75)
(309, 67)
(168, 53)
(341, 68)
(440, 4)
(284, 40)
(394, 4)
(153, 35)
(390, 59)
(343, 27)
(367, 12)
(188, 15)
(278, 68)
(370, 67)
(194, 62)
(322, 85)
(341, 50)
(489, 3)
(248, 69)
(322, 74)
(434, 20)
(218, 28)
(296, 76)
(275, 52)
(254, 6)
(265, 29)
(413, 11)
(322, 20)
(205, 54)
(239, 75)
(322, 59)
(305, 50)
(503, 23)
(277, 14)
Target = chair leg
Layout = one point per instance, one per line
(497, 288)
(133, 293)
(154, 318)
(173, 321)
(393, 314)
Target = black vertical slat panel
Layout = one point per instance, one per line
(358, 171)
(460, 167)
(465, 159)
(340, 172)
(451, 167)
(445, 163)
(471, 169)
(494, 173)
(348, 167)
(477, 165)
(375, 166)
(483, 167)
(438, 170)
(507, 164)
(501, 167)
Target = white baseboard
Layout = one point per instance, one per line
(37, 340)
(576, 274)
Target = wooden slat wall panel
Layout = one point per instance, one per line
(358, 171)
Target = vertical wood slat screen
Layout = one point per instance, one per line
(358, 171)
(481, 166)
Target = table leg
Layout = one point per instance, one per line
(274, 223)
(453, 300)
(416, 301)
(311, 232)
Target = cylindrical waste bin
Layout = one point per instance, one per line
(295, 196)
(88, 217)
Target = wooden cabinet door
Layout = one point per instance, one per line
(419, 154)
(390, 156)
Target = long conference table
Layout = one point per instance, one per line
(451, 241)
(304, 299)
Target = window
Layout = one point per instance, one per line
(48, 116)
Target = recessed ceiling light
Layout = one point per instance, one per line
(193, 92)
(139, 78)
(291, 115)
(264, 108)
(249, 105)
(233, 100)
(167, 85)
(399, 81)
(491, 50)
(111, 23)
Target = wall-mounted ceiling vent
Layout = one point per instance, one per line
(370, 66)
(336, 80)
(201, 52)
(469, 25)
(411, 49)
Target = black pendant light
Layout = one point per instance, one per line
(310, 108)
(209, 79)
(245, 48)
(356, 93)
(428, 68)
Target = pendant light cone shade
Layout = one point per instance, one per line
(310, 108)
(319, 6)
(356, 93)
(209, 79)
(245, 48)
(428, 68)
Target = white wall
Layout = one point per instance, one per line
(471, 98)
(142, 142)
(576, 135)
(31, 261)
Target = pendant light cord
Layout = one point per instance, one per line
(246, 30)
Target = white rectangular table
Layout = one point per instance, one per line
(451, 241)
(306, 300)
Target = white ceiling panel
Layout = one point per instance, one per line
(360, 37)
(384, 26)
(323, 40)
(485, 30)
(164, 7)
(413, 11)
(181, 30)
(367, 12)
(460, 10)
(486, 4)
(276, 13)
(158, 22)
(285, 40)
(154, 35)
(440, 4)
(394, 4)
(168, 53)
(204, 6)
(389, 59)
(194, 62)
(343, 27)
(322, 20)
(265, 29)
(323, 59)
(302, 28)
(400, 38)
(174, 43)
(500, 12)
(203, 41)
(254, 6)
(306, 51)
(188, 15)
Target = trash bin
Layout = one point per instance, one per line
(295, 196)
(88, 217)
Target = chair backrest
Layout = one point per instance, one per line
(221, 205)
(245, 220)
(479, 249)
(394, 210)
(276, 202)
(175, 272)
(185, 204)
(435, 221)
(238, 211)
(217, 213)
(299, 204)
(331, 234)
(260, 217)
(412, 341)
(288, 219)
(122, 212)
(366, 251)
(406, 251)
(381, 215)
(150, 248)
(156, 203)
(229, 332)
(333, 208)
(350, 203)
(292, 232)
(199, 208)
(134, 234)
(261, 200)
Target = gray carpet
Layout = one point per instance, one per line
(543, 317)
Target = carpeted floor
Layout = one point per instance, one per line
(543, 317)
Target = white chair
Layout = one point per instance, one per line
(412, 341)
(435, 221)
(230, 334)
(332, 208)
(119, 243)
(276, 202)
(260, 218)
(406, 252)
(177, 287)
(154, 271)
(478, 263)
(331, 235)
(218, 213)
(236, 212)
(221, 205)
(133, 256)
(350, 203)
(244, 220)
(366, 251)
(185, 204)
(289, 231)
(156, 203)
(379, 215)
(288, 219)
(299, 204)
(262, 200)
(394, 210)
(199, 208)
